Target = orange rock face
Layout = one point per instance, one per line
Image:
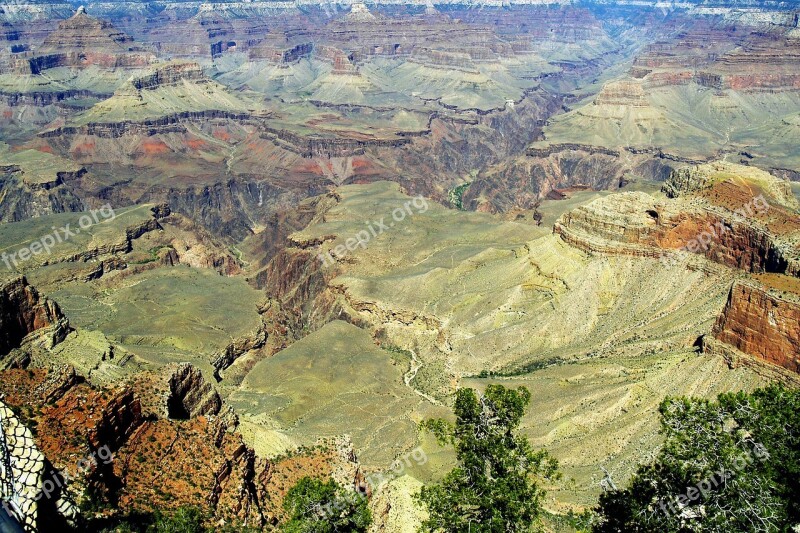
(761, 324)
(119, 445)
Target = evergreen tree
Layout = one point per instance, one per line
(727, 466)
(496, 486)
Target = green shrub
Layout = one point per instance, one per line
(315, 506)
(732, 465)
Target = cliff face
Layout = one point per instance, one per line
(122, 446)
(168, 75)
(172, 123)
(710, 57)
(83, 40)
(709, 213)
(528, 180)
(190, 395)
(27, 316)
(761, 324)
(657, 231)
(119, 418)
(24, 198)
(523, 181)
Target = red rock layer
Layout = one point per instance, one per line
(116, 445)
(761, 324)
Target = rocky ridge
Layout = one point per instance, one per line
(128, 451)
(36, 183)
(83, 40)
(756, 234)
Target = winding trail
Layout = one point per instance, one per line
(409, 376)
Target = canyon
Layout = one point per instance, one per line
(325, 218)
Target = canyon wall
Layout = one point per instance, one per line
(762, 324)
(23, 199)
(24, 314)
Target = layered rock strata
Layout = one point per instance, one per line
(763, 324)
(83, 40)
(714, 217)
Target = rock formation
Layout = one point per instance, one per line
(36, 183)
(278, 134)
(81, 41)
(708, 213)
(98, 442)
(715, 216)
(762, 323)
(189, 394)
(27, 317)
(158, 101)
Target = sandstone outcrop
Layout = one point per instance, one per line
(190, 395)
(190, 244)
(83, 40)
(79, 42)
(524, 181)
(622, 93)
(280, 52)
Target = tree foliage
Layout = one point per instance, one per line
(496, 486)
(314, 506)
(184, 520)
(726, 466)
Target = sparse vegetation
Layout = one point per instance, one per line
(572, 521)
(456, 195)
(151, 257)
(399, 355)
(527, 368)
(184, 520)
